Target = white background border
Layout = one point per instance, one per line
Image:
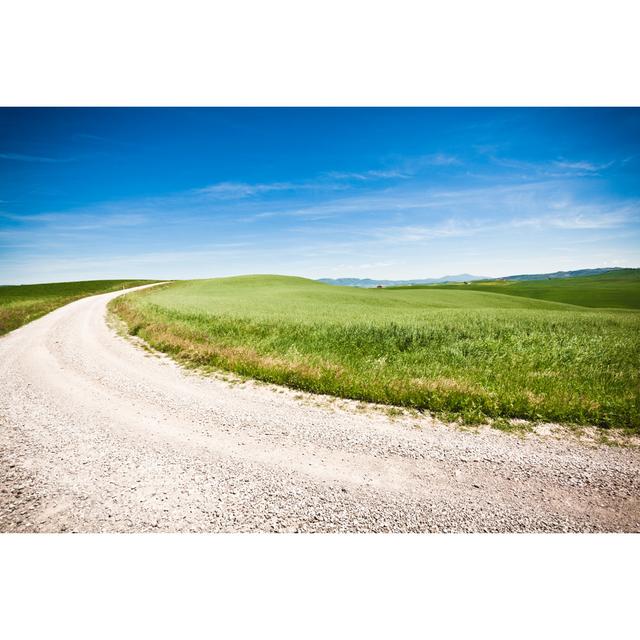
(319, 586)
(334, 52)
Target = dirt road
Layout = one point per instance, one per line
(97, 434)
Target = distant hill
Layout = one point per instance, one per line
(465, 277)
(368, 283)
(561, 274)
(613, 288)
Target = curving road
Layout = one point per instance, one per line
(98, 434)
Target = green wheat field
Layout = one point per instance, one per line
(559, 350)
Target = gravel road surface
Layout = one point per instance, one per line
(99, 435)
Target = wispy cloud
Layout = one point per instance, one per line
(225, 190)
(582, 166)
(90, 136)
(369, 223)
(581, 218)
(527, 204)
(329, 181)
(439, 160)
(21, 157)
(420, 233)
(373, 174)
(532, 204)
(101, 218)
(74, 262)
(558, 168)
(413, 166)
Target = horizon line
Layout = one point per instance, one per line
(26, 284)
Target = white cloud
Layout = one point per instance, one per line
(440, 160)
(373, 174)
(418, 233)
(22, 157)
(244, 189)
(572, 216)
(330, 181)
(99, 218)
(380, 221)
(582, 166)
(560, 168)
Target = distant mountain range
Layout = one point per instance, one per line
(367, 282)
(462, 277)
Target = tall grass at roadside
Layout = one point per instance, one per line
(455, 353)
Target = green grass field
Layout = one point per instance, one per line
(616, 289)
(23, 303)
(471, 354)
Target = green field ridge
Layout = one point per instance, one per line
(615, 289)
(457, 352)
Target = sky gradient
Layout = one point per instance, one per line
(381, 193)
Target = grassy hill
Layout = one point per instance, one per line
(614, 289)
(453, 351)
(20, 304)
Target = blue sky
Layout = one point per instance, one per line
(386, 193)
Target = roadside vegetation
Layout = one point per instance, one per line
(20, 304)
(616, 289)
(459, 353)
